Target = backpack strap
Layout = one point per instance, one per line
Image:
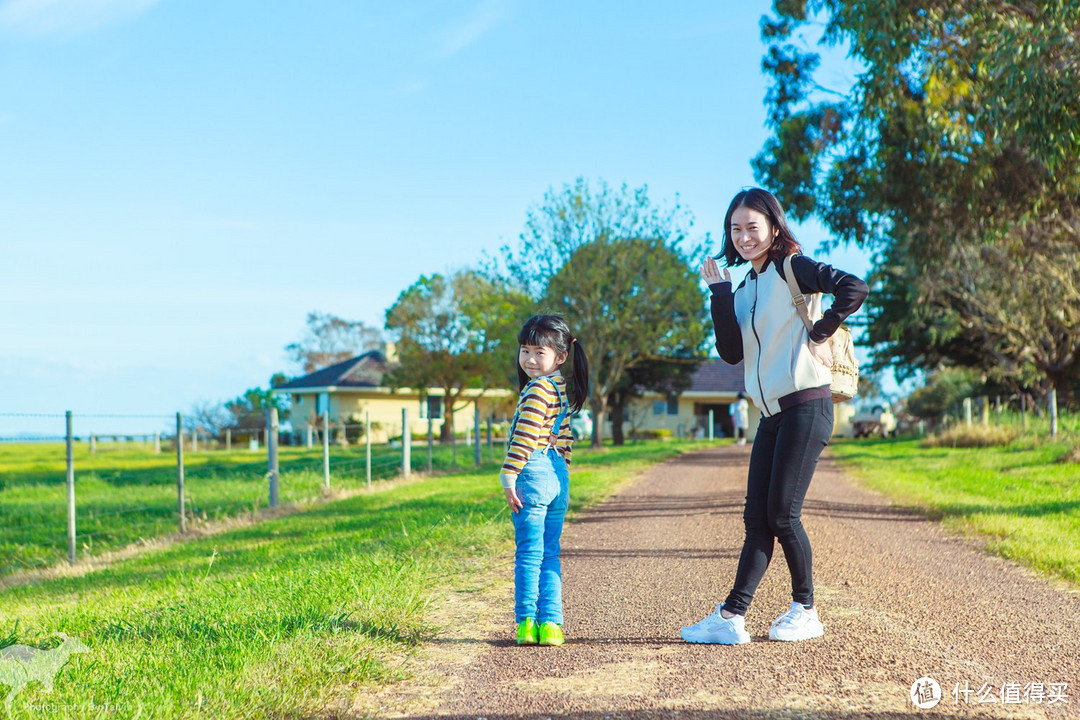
(798, 299)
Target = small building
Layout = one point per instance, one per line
(352, 389)
(714, 386)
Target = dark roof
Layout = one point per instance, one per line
(715, 375)
(365, 370)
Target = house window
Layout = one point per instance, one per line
(431, 407)
(658, 407)
(673, 405)
(298, 399)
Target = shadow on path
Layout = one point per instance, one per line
(711, 714)
(680, 553)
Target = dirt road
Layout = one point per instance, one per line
(900, 600)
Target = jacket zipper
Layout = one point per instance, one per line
(753, 326)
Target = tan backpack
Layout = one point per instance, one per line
(845, 369)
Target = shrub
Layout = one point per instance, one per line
(658, 434)
(971, 436)
(1071, 456)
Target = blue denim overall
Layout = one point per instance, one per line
(544, 489)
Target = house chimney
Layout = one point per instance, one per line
(390, 352)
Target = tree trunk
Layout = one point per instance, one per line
(446, 434)
(597, 408)
(617, 437)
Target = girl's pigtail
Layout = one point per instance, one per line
(580, 382)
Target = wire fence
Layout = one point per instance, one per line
(64, 496)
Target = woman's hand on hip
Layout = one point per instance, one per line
(822, 353)
(512, 499)
(710, 272)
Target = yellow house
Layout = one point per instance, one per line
(353, 390)
(714, 386)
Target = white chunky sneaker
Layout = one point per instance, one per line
(797, 623)
(718, 630)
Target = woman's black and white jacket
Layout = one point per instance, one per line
(758, 324)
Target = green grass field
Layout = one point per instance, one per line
(289, 617)
(1018, 498)
(123, 495)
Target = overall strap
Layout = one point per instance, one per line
(563, 407)
(557, 426)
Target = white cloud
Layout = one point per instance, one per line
(461, 35)
(66, 17)
(406, 89)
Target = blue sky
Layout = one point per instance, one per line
(183, 181)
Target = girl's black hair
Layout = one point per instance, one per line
(551, 331)
(764, 202)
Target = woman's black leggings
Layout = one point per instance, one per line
(782, 461)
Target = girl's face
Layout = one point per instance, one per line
(539, 360)
(752, 234)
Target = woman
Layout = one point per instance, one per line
(787, 375)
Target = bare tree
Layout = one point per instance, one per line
(329, 339)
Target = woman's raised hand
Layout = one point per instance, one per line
(710, 272)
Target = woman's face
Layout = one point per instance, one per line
(751, 233)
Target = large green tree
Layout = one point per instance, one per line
(620, 268)
(454, 333)
(955, 158)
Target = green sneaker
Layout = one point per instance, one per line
(527, 633)
(551, 634)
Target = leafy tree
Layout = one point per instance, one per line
(453, 333)
(329, 339)
(947, 158)
(946, 122)
(248, 411)
(1035, 321)
(631, 302)
(579, 214)
(614, 264)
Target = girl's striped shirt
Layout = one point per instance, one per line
(537, 409)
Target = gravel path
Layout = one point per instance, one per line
(900, 599)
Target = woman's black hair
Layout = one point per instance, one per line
(764, 202)
(551, 331)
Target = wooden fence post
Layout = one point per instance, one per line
(180, 472)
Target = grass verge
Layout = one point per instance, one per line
(1017, 497)
(126, 495)
(284, 618)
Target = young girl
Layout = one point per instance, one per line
(787, 374)
(535, 475)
